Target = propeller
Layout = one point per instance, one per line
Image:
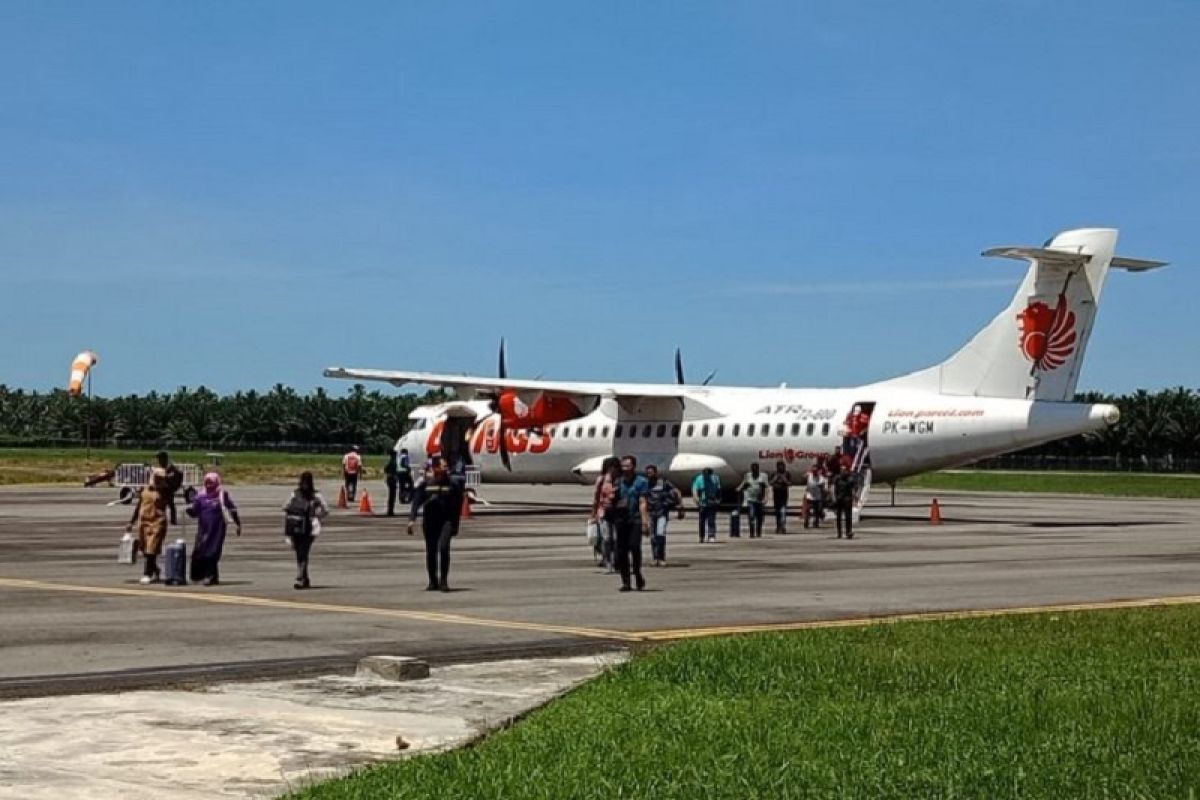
(501, 433)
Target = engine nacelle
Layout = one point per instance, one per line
(546, 410)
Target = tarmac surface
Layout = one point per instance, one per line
(73, 620)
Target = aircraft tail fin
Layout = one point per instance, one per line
(1034, 349)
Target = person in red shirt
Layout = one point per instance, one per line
(351, 469)
(857, 423)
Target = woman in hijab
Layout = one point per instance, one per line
(150, 516)
(209, 509)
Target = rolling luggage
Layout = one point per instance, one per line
(127, 550)
(176, 563)
(735, 523)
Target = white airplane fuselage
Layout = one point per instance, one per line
(909, 433)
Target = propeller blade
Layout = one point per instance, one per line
(711, 375)
(503, 434)
(679, 367)
(502, 369)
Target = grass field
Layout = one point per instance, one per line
(1097, 704)
(1101, 483)
(19, 465)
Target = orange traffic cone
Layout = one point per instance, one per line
(341, 503)
(466, 507)
(935, 513)
(364, 505)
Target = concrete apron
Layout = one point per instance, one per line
(261, 739)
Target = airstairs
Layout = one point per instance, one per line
(862, 468)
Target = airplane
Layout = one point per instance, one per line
(1008, 388)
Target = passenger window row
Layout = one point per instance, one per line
(762, 430)
(705, 430)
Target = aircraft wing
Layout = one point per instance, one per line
(473, 386)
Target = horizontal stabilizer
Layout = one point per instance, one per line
(1136, 264)
(1059, 258)
(1044, 256)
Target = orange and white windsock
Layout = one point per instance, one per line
(79, 370)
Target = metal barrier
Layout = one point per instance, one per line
(139, 474)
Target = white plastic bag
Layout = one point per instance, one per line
(593, 533)
(127, 551)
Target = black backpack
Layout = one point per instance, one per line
(297, 520)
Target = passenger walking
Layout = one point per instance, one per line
(633, 522)
(662, 498)
(418, 495)
(439, 522)
(209, 508)
(857, 422)
(706, 492)
(814, 496)
(302, 524)
(753, 489)
(781, 484)
(845, 486)
(351, 469)
(150, 515)
(392, 479)
(603, 496)
(173, 481)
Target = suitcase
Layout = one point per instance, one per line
(176, 563)
(127, 550)
(735, 524)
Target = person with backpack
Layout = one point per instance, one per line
(662, 498)
(209, 509)
(302, 524)
(706, 492)
(351, 469)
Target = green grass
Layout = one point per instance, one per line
(1097, 704)
(21, 465)
(1101, 483)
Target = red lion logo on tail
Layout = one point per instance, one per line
(1047, 334)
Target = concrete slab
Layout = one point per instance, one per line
(392, 668)
(251, 740)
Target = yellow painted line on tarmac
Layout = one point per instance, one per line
(295, 605)
(666, 635)
(660, 635)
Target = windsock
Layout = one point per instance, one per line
(79, 370)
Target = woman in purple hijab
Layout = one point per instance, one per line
(209, 509)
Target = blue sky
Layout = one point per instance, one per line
(241, 193)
